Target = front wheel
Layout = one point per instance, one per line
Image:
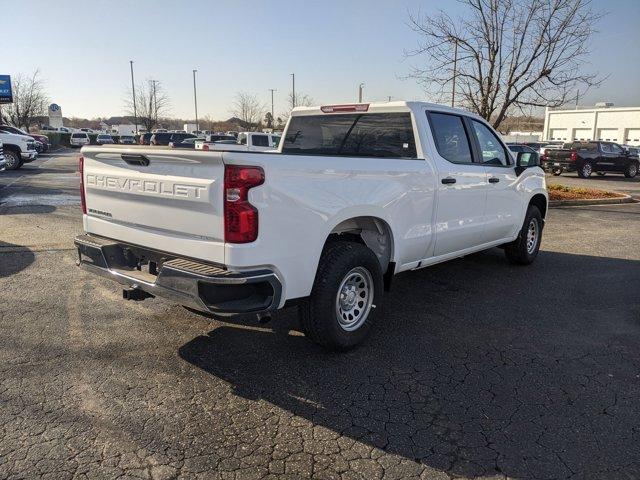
(524, 249)
(631, 171)
(346, 296)
(13, 159)
(585, 170)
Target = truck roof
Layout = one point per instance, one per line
(376, 107)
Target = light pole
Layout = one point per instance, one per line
(195, 98)
(133, 90)
(293, 89)
(360, 92)
(272, 90)
(455, 73)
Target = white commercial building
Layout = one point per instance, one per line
(602, 122)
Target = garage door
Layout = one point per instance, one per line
(558, 134)
(582, 134)
(608, 134)
(633, 136)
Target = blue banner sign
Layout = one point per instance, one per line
(6, 96)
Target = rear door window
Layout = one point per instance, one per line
(384, 135)
(450, 137)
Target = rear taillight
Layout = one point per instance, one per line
(83, 200)
(574, 156)
(240, 217)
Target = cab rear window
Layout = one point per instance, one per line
(385, 135)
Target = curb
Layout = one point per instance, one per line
(593, 201)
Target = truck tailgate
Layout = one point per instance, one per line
(168, 200)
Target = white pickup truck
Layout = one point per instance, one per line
(354, 195)
(246, 142)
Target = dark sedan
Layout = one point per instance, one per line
(189, 143)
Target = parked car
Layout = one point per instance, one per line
(42, 141)
(586, 158)
(79, 139)
(104, 139)
(185, 143)
(3, 162)
(127, 139)
(145, 138)
(351, 197)
(18, 149)
(164, 138)
(246, 141)
(519, 147)
(65, 130)
(87, 130)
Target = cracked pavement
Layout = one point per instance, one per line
(477, 369)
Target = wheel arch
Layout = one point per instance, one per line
(540, 201)
(372, 231)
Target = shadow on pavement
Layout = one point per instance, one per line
(13, 259)
(476, 368)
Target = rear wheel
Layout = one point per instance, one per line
(632, 170)
(585, 170)
(346, 296)
(13, 159)
(524, 249)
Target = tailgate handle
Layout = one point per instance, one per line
(135, 159)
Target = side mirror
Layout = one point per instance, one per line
(526, 160)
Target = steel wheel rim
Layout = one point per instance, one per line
(11, 159)
(354, 299)
(633, 170)
(532, 235)
(586, 170)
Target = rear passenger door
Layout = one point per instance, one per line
(503, 206)
(619, 157)
(461, 187)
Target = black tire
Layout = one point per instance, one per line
(13, 160)
(319, 314)
(601, 174)
(585, 170)
(519, 251)
(632, 170)
(556, 172)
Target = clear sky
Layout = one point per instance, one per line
(83, 48)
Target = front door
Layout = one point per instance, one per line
(502, 212)
(462, 186)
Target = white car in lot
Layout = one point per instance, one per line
(18, 149)
(79, 139)
(354, 195)
(246, 141)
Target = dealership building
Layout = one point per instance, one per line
(602, 122)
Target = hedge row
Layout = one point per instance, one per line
(61, 139)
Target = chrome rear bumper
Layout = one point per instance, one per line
(198, 285)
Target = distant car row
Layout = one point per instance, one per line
(79, 139)
(585, 158)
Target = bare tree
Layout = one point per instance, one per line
(248, 109)
(506, 55)
(29, 101)
(302, 100)
(152, 103)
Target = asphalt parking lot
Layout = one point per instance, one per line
(479, 369)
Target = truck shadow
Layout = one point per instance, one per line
(14, 258)
(476, 368)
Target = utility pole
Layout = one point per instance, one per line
(293, 89)
(577, 97)
(272, 90)
(133, 90)
(455, 73)
(389, 97)
(195, 98)
(154, 102)
(360, 92)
